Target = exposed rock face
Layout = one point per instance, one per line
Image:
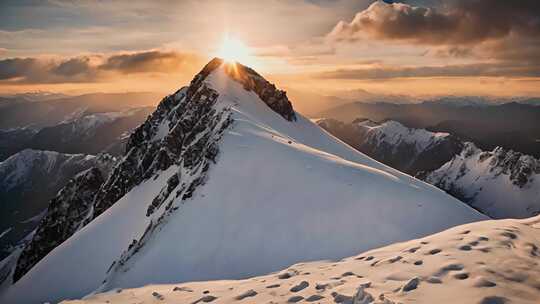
(64, 216)
(166, 137)
(276, 99)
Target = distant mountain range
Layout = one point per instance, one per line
(500, 183)
(20, 111)
(511, 125)
(28, 180)
(87, 124)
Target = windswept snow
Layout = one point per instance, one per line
(489, 262)
(281, 192)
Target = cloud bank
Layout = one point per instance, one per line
(94, 68)
(502, 36)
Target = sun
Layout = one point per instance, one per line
(233, 50)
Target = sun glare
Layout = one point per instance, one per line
(234, 50)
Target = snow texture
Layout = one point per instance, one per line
(489, 262)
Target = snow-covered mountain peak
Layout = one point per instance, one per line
(250, 80)
(224, 180)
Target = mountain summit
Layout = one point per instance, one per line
(225, 180)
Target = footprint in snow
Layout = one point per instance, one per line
(205, 299)
(509, 235)
(247, 294)
(288, 274)
(182, 289)
(461, 276)
(414, 249)
(434, 280)
(300, 286)
(447, 268)
(494, 300)
(295, 299)
(314, 298)
(482, 282)
(157, 295)
(395, 259)
(411, 284)
(341, 298)
(465, 248)
(434, 251)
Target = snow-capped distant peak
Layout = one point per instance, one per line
(394, 133)
(501, 183)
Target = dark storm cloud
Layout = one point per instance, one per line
(464, 22)
(482, 70)
(91, 68)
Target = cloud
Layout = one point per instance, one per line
(17, 67)
(464, 22)
(73, 67)
(465, 70)
(94, 68)
(149, 61)
(505, 34)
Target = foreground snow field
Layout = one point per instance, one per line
(490, 262)
(281, 191)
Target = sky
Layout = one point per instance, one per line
(415, 47)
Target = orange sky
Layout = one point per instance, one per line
(419, 47)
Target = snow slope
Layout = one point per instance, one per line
(489, 262)
(281, 191)
(500, 183)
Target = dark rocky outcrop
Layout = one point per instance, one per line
(276, 99)
(64, 217)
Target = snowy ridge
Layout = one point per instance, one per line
(406, 149)
(501, 183)
(18, 167)
(239, 177)
(486, 262)
(393, 133)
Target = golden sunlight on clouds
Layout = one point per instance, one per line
(312, 45)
